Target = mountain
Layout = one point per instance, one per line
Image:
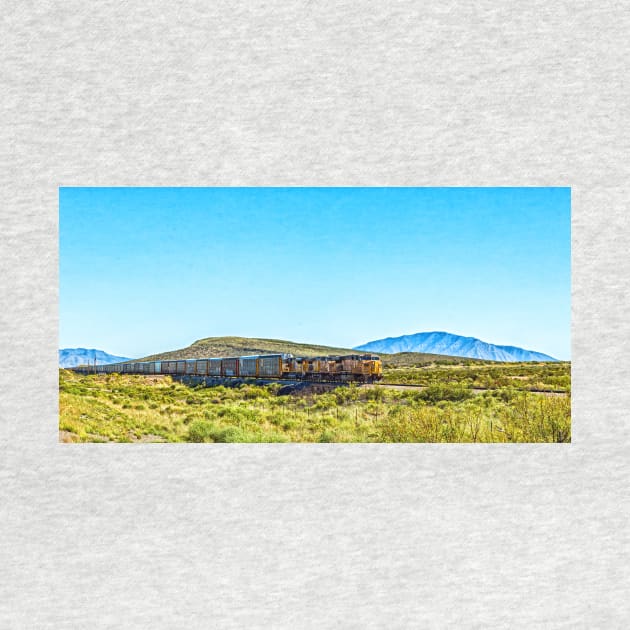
(71, 357)
(242, 346)
(453, 345)
(239, 346)
(419, 349)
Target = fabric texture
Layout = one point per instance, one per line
(314, 536)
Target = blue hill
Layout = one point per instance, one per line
(453, 345)
(71, 357)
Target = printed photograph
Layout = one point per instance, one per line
(322, 315)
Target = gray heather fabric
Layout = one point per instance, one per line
(306, 93)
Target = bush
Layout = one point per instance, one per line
(239, 415)
(536, 419)
(200, 431)
(404, 424)
(204, 431)
(327, 436)
(437, 393)
(446, 411)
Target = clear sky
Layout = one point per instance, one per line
(146, 270)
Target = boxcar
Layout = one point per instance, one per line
(229, 366)
(180, 367)
(214, 367)
(191, 367)
(270, 365)
(248, 366)
(201, 367)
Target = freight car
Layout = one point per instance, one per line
(365, 368)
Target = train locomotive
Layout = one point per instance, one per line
(363, 368)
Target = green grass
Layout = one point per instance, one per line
(423, 359)
(117, 408)
(551, 376)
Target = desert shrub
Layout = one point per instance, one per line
(376, 394)
(238, 415)
(201, 431)
(405, 424)
(441, 392)
(536, 419)
(327, 436)
(505, 394)
(230, 434)
(250, 392)
(204, 431)
(325, 402)
(343, 395)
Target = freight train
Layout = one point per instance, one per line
(365, 368)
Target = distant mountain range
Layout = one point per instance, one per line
(453, 345)
(71, 357)
(239, 346)
(428, 346)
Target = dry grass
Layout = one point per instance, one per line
(134, 408)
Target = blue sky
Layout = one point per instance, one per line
(145, 270)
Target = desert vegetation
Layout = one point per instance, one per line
(131, 408)
(541, 377)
